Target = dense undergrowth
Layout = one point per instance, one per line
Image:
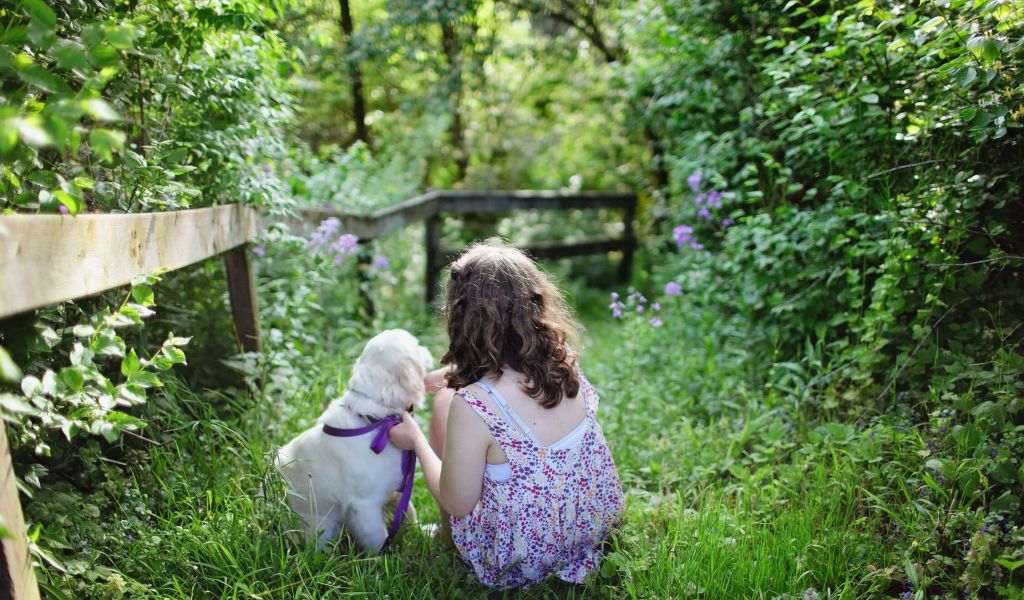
(821, 395)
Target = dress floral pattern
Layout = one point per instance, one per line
(552, 516)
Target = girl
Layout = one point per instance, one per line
(525, 473)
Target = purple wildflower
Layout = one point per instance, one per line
(615, 295)
(267, 169)
(656, 307)
(655, 322)
(63, 210)
(380, 263)
(715, 199)
(616, 312)
(260, 251)
(345, 244)
(694, 181)
(726, 222)
(994, 453)
(640, 308)
(327, 229)
(907, 595)
(673, 289)
(704, 213)
(984, 528)
(695, 245)
(699, 198)
(683, 235)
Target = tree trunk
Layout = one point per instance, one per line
(456, 130)
(355, 75)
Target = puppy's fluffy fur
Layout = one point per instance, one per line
(339, 482)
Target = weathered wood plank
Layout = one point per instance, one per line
(458, 201)
(385, 221)
(378, 223)
(436, 259)
(22, 579)
(628, 233)
(244, 306)
(46, 259)
(551, 251)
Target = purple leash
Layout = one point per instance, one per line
(379, 442)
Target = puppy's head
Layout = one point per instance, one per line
(391, 370)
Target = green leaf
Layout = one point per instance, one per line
(143, 294)
(869, 98)
(175, 355)
(99, 109)
(984, 48)
(130, 364)
(32, 133)
(42, 79)
(110, 432)
(73, 204)
(70, 55)
(83, 330)
(9, 370)
(120, 37)
(106, 141)
(8, 134)
(42, 27)
(72, 378)
(145, 379)
(1009, 563)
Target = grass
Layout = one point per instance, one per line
(727, 498)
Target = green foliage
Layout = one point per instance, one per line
(873, 158)
(168, 106)
(102, 379)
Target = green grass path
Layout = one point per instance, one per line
(704, 519)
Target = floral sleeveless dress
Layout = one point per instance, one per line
(552, 514)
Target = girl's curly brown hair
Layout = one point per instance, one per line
(503, 312)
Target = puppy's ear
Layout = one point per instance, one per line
(410, 379)
(426, 359)
(397, 383)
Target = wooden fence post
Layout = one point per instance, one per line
(242, 290)
(434, 256)
(629, 235)
(363, 257)
(20, 581)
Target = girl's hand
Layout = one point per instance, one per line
(434, 380)
(405, 435)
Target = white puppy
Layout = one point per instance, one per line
(339, 481)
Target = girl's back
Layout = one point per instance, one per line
(551, 505)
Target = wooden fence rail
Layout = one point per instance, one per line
(47, 259)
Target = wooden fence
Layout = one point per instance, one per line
(47, 259)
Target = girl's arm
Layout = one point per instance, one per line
(457, 480)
